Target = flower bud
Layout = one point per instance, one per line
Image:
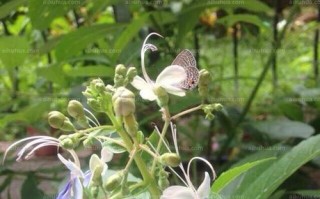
(56, 119)
(113, 181)
(204, 81)
(131, 73)
(121, 70)
(76, 110)
(66, 142)
(119, 76)
(59, 121)
(123, 102)
(94, 104)
(170, 159)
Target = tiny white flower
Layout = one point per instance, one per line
(169, 79)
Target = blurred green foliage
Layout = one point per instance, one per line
(50, 49)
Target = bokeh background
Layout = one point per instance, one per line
(262, 56)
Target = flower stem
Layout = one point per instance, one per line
(146, 175)
(186, 112)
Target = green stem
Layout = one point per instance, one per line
(146, 175)
(163, 133)
(186, 112)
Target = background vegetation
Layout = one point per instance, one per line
(262, 55)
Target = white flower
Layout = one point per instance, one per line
(168, 79)
(182, 192)
(188, 191)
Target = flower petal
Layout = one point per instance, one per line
(74, 169)
(87, 177)
(174, 90)
(94, 162)
(65, 192)
(171, 75)
(139, 83)
(204, 189)
(177, 192)
(77, 189)
(106, 155)
(148, 94)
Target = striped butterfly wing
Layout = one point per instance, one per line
(186, 60)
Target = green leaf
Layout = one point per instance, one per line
(74, 42)
(129, 33)
(114, 147)
(230, 20)
(90, 71)
(308, 193)
(44, 12)
(53, 73)
(226, 177)
(283, 129)
(10, 6)
(29, 188)
(291, 110)
(266, 183)
(14, 50)
(31, 113)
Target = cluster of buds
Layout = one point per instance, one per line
(124, 76)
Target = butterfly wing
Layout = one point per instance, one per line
(186, 60)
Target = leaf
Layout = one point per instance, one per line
(226, 177)
(44, 12)
(53, 73)
(114, 147)
(90, 71)
(230, 20)
(291, 110)
(283, 129)
(74, 42)
(5, 183)
(308, 193)
(31, 113)
(241, 183)
(14, 50)
(29, 188)
(266, 183)
(129, 33)
(9, 7)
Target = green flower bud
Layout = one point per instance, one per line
(59, 121)
(56, 119)
(67, 125)
(76, 110)
(113, 181)
(170, 159)
(94, 104)
(131, 73)
(131, 125)
(119, 76)
(67, 143)
(163, 97)
(218, 107)
(123, 102)
(163, 183)
(89, 141)
(204, 81)
(121, 70)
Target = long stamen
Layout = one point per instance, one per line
(92, 115)
(205, 161)
(143, 50)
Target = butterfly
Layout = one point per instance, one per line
(186, 60)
